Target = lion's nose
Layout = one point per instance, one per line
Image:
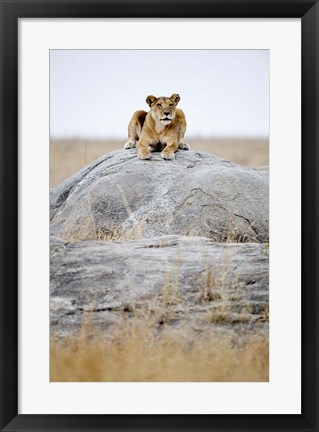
(166, 113)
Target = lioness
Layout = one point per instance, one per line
(163, 128)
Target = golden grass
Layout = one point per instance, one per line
(137, 352)
(121, 233)
(87, 231)
(69, 156)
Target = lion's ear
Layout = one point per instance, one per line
(175, 98)
(150, 100)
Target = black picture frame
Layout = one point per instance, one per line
(11, 11)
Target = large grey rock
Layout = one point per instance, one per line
(196, 194)
(189, 283)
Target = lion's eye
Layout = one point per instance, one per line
(170, 105)
(159, 105)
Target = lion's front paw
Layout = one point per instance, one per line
(131, 143)
(144, 154)
(183, 146)
(168, 154)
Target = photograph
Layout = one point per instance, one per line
(159, 215)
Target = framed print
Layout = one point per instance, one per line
(172, 284)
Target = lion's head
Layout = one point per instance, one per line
(163, 109)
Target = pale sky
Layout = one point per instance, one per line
(224, 93)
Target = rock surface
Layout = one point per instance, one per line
(190, 284)
(197, 194)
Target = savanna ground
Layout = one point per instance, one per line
(136, 350)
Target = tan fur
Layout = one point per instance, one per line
(162, 128)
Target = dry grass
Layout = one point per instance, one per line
(146, 344)
(116, 234)
(155, 342)
(87, 231)
(224, 299)
(136, 353)
(69, 156)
